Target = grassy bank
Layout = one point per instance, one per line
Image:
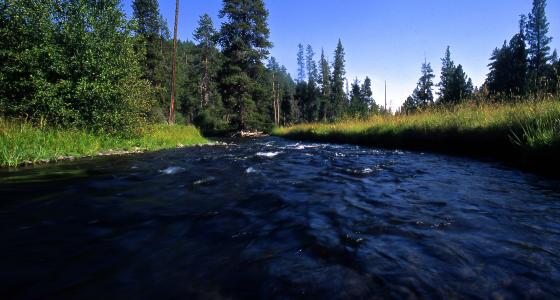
(23, 143)
(524, 133)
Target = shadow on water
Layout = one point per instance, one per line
(271, 218)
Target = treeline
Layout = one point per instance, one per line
(81, 63)
(320, 89)
(521, 67)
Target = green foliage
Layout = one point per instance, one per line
(538, 40)
(339, 98)
(508, 69)
(244, 40)
(454, 85)
(72, 63)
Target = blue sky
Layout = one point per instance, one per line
(384, 39)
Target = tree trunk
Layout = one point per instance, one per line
(171, 119)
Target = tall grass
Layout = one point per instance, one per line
(524, 129)
(21, 142)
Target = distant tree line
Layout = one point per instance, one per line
(519, 68)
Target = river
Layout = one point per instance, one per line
(277, 219)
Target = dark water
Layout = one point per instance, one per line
(271, 218)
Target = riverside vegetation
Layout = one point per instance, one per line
(86, 69)
(22, 142)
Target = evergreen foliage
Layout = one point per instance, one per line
(244, 40)
(454, 86)
(339, 98)
(539, 49)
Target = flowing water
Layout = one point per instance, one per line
(270, 218)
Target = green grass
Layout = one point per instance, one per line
(527, 132)
(21, 142)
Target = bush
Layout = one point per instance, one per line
(71, 62)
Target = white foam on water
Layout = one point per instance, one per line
(268, 154)
(204, 180)
(250, 170)
(172, 170)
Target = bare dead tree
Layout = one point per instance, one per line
(171, 118)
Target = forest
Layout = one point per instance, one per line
(84, 64)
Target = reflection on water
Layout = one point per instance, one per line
(270, 218)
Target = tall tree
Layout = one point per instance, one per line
(356, 106)
(423, 95)
(325, 83)
(312, 103)
(244, 40)
(150, 27)
(367, 96)
(538, 40)
(301, 63)
(206, 36)
(446, 78)
(508, 67)
(454, 85)
(339, 98)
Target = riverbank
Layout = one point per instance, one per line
(22, 143)
(525, 134)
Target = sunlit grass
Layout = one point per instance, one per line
(528, 128)
(22, 142)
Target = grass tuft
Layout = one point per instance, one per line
(21, 142)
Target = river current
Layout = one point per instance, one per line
(277, 219)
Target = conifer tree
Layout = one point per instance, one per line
(538, 41)
(367, 96)
(446, 78)
(301, 63)
(356, 105)
(244, 40)
(312, 99)
(423, 95)
(325, 82)
(206, 36)
(455, 84)
(339, 98)
(150, 26)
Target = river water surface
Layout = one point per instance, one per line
(270, 218)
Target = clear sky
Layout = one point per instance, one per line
(383, 39)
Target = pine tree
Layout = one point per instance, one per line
(325, 82)
(462, 85)
(508, 67)
(301, 63)
(538, 40)
(454, 85)
(339, 98)
(206, 36)
(409, 106)
(356, 106)
(519, 64)
(446, 78)
(367, 97)
(244, 40)
(312, 99)
(423, 95)
(150, 26)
